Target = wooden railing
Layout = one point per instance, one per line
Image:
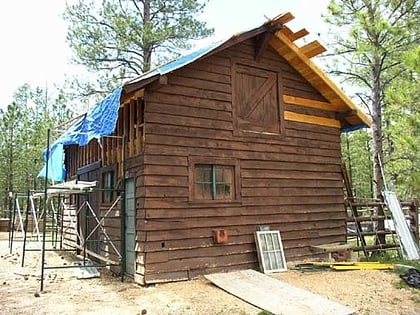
(370, 222)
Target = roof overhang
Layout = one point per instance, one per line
(282, 39)
(348, 113)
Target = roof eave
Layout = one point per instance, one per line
(314, 75)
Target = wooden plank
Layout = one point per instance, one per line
(283, 18)
(191, 263)
(196, 92)
(199, 83)
(293, 36)
(313, 74)
(188, 111)
(131, 145)
(295, 100)
(302, 138)
(285, 165)
(322, 121)
(189, 72)
(236, 146)
(311, 112)
(287, 174)
(290, 212)
(274, 295)
(313, 49)
(316, 221)
(263, 40)
(162, 118)
(192, 101)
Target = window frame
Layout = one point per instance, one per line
(108, 195)
(196, 160)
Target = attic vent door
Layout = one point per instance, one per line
(256, 104)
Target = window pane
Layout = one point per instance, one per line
(203, 191)
(224, 182)
(203, 182)
(108, 183)
(203, 174)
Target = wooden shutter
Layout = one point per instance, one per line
(256, 104)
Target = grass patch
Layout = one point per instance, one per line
(390, 257)
(416, 299)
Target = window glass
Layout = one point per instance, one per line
(108, 183)
(213, 182)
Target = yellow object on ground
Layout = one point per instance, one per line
(365, 265)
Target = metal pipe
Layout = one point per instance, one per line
(10, 201)
(123, 201)
(44, 216)
(13, 225)
(25, 229)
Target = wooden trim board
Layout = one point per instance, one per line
(314, 120)
(274, 295)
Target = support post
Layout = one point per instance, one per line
(10, 202)
(122, 212)
(25, 229)
(13, 225)
(44, 216)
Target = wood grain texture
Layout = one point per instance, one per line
(290, 180)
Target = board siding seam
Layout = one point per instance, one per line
(315, 120)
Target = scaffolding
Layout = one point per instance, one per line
(51, 219)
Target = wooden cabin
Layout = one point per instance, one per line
(241, 134)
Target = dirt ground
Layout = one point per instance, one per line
(367, 292)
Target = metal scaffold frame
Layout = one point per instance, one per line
(48, 224)
(49, 207)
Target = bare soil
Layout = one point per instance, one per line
(367, 292)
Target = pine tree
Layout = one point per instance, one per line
(119, 39)
(372, 37)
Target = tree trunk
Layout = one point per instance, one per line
(377, 143)
(10, 162)
(147, 48)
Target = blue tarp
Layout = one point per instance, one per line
(99, 122)
(179, 63)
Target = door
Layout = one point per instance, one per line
(130, 226)
(256, 104)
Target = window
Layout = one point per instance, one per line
(214, 179)
(108, 183)
(270, 251)
(214, 182)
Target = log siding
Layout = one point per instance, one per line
(292, 183)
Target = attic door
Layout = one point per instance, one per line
(256, 103)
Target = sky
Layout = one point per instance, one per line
(33, 35)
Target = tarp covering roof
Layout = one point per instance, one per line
(177, 63)
(102, 119)
(99, 122)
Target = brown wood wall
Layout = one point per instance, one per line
(292, 182)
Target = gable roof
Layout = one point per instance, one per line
(276, 34)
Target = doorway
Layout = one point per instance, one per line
(130, 226)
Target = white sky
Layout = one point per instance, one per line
(33, 35)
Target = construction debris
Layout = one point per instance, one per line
(341, 266)
(412, 277)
